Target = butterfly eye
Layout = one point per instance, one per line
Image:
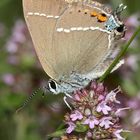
(120, 28)
(52, 85)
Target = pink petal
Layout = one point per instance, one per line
(99, 109)
(71, 127)
(108, 108)
(69, 130)
(87, 121)
(73, 117)
(96, 122)
(105, 111)
(91, 124)
(100, 98)
(77, 97)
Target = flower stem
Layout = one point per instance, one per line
(122, 52)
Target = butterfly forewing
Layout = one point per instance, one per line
(41, 17)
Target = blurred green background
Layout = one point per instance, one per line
(21, 75)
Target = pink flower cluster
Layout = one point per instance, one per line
(95, 111)
(17, 37)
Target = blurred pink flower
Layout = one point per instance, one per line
(11, 47)
(132, 62)
(8, 79)
(131, 65)
(18, 32)
(18, 37)
(131, 23)
(117, 134)
(12, 59)
(134, 103)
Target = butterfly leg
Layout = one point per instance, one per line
(68, 95)
(120, 63)
(65, 100)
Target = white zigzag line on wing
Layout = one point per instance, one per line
(41, 15)
(72, 29)
(81, 29)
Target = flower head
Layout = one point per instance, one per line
(94, 114)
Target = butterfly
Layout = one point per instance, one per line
(74, 39)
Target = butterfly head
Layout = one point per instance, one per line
(60, 87)
(66, 86)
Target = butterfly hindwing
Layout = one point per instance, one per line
(83, 48)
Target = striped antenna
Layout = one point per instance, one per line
(28, 100)
(120, 8)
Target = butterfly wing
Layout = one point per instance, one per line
(41, 17)
(80, 41)
(66, 37)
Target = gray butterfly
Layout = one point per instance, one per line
(74, 39)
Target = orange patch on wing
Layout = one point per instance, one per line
(102, 17)
(93, 14)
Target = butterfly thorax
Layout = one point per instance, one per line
(68, 84)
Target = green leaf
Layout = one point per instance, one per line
(57, 133)
(130, 87)
(80, 127)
